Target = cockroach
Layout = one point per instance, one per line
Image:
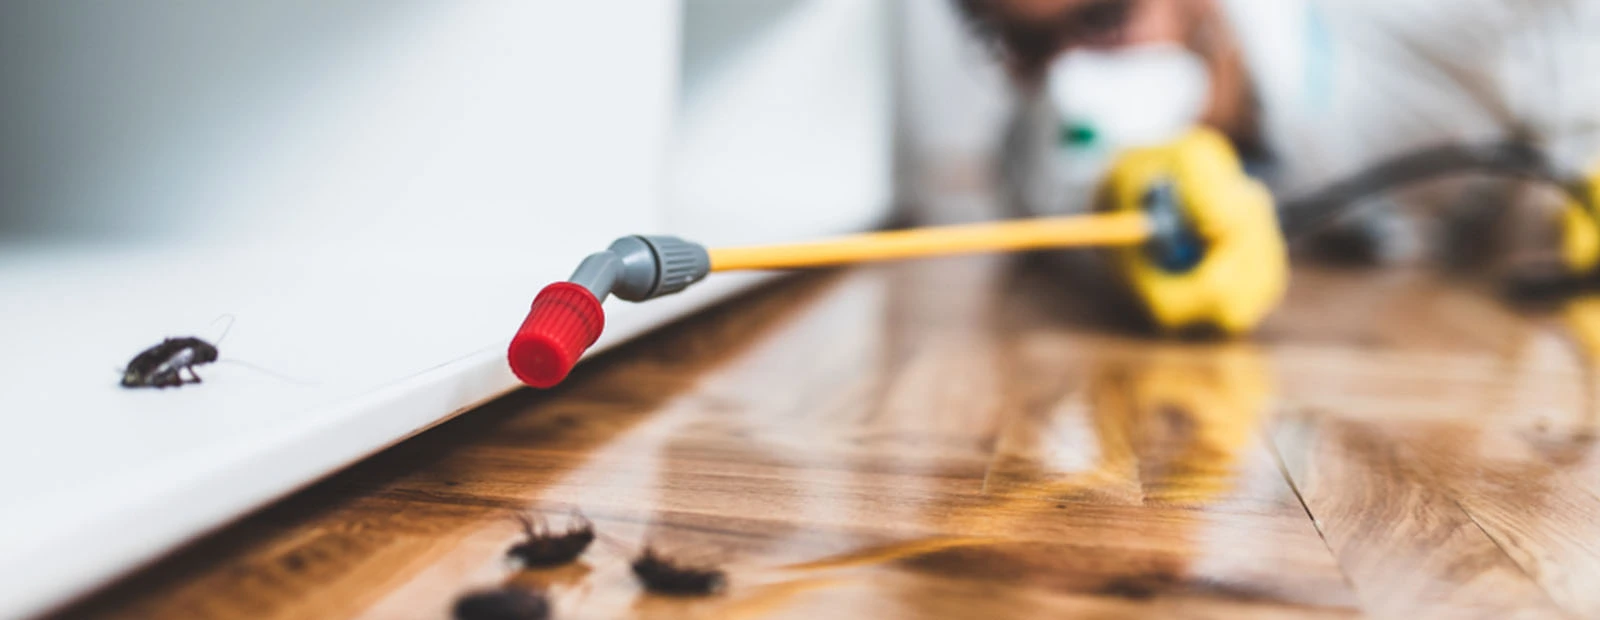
(502, 603)
(544, 548)
(662, 575)
(161, 366)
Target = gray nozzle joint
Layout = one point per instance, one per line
(642, 267)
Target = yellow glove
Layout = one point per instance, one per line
(1244, 271)
(1580, 232)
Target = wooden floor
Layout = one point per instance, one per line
(970, 438)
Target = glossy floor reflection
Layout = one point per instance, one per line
(969, 438)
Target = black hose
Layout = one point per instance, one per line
(1309, 213)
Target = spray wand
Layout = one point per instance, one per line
(567, 317)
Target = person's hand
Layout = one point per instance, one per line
(1242, 271)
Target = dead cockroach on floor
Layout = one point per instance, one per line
(663, 575)
(544, 548)
(161, 366)
(502, 603)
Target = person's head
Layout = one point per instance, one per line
(1030, 35)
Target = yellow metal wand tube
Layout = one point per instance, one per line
(1099, 229)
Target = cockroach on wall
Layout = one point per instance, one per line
(162, 365)
(543, 548)
(663, 575)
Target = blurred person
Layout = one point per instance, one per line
(1309, 92)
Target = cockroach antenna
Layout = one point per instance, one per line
(231, 320)
(261, 369)
(269, 372)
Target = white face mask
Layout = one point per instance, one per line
(1134, 96)
(1104, 102)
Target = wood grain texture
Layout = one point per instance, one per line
(982, 438)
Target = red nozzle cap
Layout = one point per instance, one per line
(565, 320)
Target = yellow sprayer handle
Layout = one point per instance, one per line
(1245, 269)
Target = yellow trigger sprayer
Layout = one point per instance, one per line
(1196, 239)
